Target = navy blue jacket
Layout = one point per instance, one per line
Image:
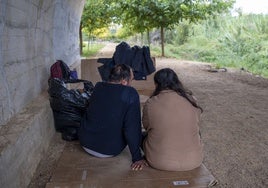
(112, 121)
(138, 58)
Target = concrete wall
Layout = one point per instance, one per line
(33, 34)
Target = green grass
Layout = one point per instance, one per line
(238, 42)
(217, 55)
(91, 49)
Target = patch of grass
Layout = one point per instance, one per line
(217, 54)
(91, 49)
(155, 51)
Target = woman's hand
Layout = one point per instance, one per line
(138, 165)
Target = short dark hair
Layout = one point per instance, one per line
(120, 72)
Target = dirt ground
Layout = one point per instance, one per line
(234, 124)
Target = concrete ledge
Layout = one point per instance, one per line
(23, 141)
(89, 71)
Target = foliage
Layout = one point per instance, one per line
(180, 35)
(194, 31)
(144, 15)
(240, 42)
(140, 16)
(95, 20)
(95, 15)
(123, 33)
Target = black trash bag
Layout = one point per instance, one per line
(68, 106)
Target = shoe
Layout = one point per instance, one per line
(69, 134)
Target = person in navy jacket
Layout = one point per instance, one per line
(113, 119)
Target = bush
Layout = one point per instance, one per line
(226, 41)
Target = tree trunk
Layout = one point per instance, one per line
(148, 37)
(162, 41)
(81, 39)
(141, 39)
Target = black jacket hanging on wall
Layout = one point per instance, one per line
(139, 59)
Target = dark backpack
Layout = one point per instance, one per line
(60, 70)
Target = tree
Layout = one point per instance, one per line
(144, 15)
(133, 16)
(96, 17)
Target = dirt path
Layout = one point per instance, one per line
(234, 124)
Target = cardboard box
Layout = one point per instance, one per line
(77, 169)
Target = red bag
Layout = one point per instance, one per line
(60, 70)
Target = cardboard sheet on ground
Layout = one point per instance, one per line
(77, 169)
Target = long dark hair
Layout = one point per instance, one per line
(167, 79)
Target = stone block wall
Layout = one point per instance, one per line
(33, 34)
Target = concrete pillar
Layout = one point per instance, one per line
(33, 34)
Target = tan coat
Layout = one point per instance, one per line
(173, 142)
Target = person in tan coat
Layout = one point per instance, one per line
(170, 118)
